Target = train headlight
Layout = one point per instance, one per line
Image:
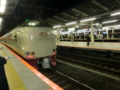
(26, 53)
(32, 53)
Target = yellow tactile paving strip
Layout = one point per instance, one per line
(13, 79)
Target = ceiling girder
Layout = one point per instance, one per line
(60, 18)
(100, 5)
(10, 8)
(78, 11)
(118, 1)
(31, 9)
(54, 20)
(50, 23)
(93, 10)
(69, 15)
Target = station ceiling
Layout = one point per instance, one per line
(55, 11)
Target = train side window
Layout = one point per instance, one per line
(15, 38)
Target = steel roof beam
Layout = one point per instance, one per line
(12, 6)
(61, 18)
(54, 20)
(26, 5)
(93, 10)
(69, 15)
(100, 5)
(78, 11)
(118, 1)
(31, 9)
(51, 23)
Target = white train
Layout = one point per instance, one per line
(34, 41)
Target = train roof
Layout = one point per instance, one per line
(32, 23)
(35, 23)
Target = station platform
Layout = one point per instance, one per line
(22, 76)
(97, 45)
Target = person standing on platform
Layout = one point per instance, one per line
(3, 79)
(88, 39)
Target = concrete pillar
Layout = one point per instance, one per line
(92, 33)
(112, 32)
(84, 33)
(72, 37)
(107, 32)
(58, 36)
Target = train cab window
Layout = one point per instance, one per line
(34, 23)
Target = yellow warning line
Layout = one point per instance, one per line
(13, 79)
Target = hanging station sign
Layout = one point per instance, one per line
(71, 29)
(84, 26)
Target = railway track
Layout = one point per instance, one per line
(103, 65)
(64, 81)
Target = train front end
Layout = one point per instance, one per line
(42, 47)
(45, 48)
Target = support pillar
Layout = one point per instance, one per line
(58, 36)
(72, 37)
(112, 32)
(84, 33)
(99, 34)
(92, 33)
(107, 32)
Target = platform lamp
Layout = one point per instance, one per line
(0, 19)
(115, 14)
(2, 6)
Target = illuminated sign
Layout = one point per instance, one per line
(85, 26)
(71, 29)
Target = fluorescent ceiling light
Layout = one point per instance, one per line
(2, 5)
(109, 21)
(114, 14)
(56, 26)
(88, 20)
(2, 9)
(61, 29)
(96, 24)
(3, 2)
(112, 26)
(71, 23)
(0, 19)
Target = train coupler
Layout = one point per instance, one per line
(46, 63)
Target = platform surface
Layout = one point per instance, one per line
(22, 76)
(96, 45)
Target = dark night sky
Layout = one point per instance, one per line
(57, 4)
